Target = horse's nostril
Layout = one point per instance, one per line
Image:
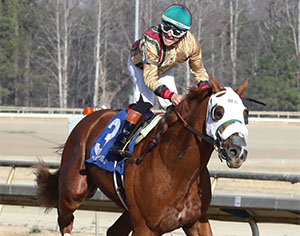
(233, 152)
(244, 156)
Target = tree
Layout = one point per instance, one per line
(275, 82)
(73, 53)
(8, 50)
(58, 21)
(98, 64)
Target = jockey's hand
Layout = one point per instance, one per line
(176, 99)
(204, 85)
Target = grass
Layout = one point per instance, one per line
(34, 230)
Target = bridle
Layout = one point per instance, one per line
(215, 143)
(154, 140)
(194, 131)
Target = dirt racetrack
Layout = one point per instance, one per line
(272, 149)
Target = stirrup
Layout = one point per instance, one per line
(122, 153)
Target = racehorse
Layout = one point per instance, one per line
(170, 187)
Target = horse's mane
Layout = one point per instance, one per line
(189, 103)
(193, 98)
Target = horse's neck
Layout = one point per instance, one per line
(181, 148)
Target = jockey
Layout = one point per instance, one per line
(151, 63)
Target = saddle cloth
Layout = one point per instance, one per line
(99, 153)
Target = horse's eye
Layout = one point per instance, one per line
(246, 114)
(217, 113)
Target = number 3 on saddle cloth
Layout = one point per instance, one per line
(99, 153)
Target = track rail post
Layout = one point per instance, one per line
(254, 227)
(9, 180)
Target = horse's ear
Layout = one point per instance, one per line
(215, 85)
(242, 87)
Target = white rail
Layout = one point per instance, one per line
(50, 110)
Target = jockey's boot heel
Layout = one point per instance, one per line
(129, 124)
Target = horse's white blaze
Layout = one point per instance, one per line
(67, 234)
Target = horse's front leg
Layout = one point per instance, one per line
(122, 227)
(200, 228)
(140, 231)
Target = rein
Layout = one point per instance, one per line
(154, 140)
(194, 131)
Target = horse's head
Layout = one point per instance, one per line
(226, 123)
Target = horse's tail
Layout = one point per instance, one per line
(47, 186)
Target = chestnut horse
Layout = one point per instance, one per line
(170, 188)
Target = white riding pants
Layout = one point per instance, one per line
(140, 88)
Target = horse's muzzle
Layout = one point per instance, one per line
(235, 153)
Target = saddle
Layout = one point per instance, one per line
(100, 156)
(145, 125)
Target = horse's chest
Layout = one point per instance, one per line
(175, 217)
(191, 210)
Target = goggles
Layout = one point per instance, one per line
(166, 28)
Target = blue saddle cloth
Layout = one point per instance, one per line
(99, 153)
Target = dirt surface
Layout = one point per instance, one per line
(272, 149)
(23, 231)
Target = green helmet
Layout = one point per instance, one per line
(179, 16)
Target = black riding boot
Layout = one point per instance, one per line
(117, 147)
